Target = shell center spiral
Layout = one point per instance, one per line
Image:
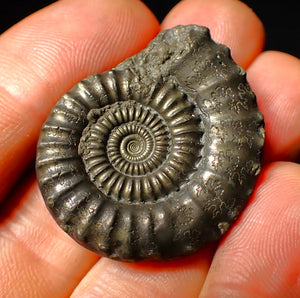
(134, 147)
(131, 147)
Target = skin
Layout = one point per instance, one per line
(42, 57)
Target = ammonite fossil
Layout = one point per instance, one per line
(157, 157)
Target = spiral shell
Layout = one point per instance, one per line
(156, 158)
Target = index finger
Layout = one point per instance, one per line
(43, 56)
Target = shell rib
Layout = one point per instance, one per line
(156, 158)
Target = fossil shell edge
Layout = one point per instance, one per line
(157, 157)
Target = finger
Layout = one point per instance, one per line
(275, 78)
(46, 54)
(231, 22)
(147, 279)
(37, 259)
(261, 254)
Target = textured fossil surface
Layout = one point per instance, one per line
(157, 157)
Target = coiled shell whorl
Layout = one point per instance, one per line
(156, 158)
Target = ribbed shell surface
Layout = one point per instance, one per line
(156, 158)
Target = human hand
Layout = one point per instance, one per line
(42, 57)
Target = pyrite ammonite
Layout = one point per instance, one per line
(157, 157)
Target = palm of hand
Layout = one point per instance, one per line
(69, 40)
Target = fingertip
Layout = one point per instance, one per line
(263, 249)
(274, 77)
(161, 279)
(231, 22)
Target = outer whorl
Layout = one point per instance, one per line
(157, 157)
